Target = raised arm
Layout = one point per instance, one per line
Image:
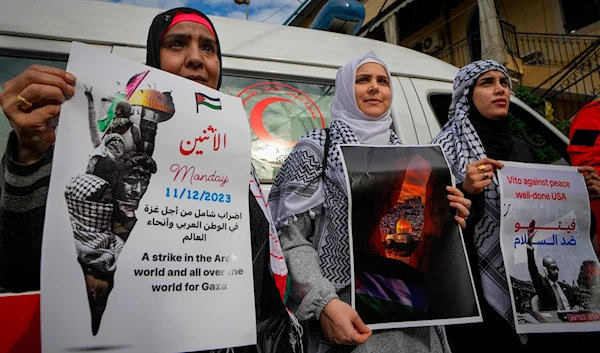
(92, 123)
(30, 102)
(536, 278)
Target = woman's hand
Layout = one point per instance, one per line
(592, 180)
(30, 101)
(460, 204)
(478, 175)
(342, 325)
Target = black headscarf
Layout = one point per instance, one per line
(494, 134)
(160, 24)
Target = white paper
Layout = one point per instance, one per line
(185, 218)
(556, 198)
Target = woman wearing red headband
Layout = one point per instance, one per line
(184, 42)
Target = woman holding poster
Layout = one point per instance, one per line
(182, 41)
(310, 203)
(475, 138)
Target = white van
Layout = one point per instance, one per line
(284, 75)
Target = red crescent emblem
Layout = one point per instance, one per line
(256, 121)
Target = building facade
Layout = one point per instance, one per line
(551, 47)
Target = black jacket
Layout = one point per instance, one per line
(543, 287)
(273, 323)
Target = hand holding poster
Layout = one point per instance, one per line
(409, 264)
(553, 272)
(147, 249)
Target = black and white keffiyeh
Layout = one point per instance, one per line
(97, 246)
(462, 145)
(301, 186)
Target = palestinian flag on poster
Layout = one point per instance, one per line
(379, 298)
(203, 99)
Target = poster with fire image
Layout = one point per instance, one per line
(409, 264)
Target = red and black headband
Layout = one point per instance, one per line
(192, 17)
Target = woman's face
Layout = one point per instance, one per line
(189, 50)
(491, 95)
(372, 90)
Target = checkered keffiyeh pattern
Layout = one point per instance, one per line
(96, 244)
(302, 186)
(462, 146)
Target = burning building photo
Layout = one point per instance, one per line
(407, 248)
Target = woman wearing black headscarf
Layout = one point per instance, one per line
(169, 46)
(181, 41)
(474, 139)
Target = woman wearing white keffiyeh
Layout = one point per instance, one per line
(310, 206)
(475, 137)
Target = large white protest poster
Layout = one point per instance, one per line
(553, 273)
(147, 241)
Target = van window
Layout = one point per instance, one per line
(549, 148)
(440, 104)
(523, 125)
(279, 112)
(10, 67)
